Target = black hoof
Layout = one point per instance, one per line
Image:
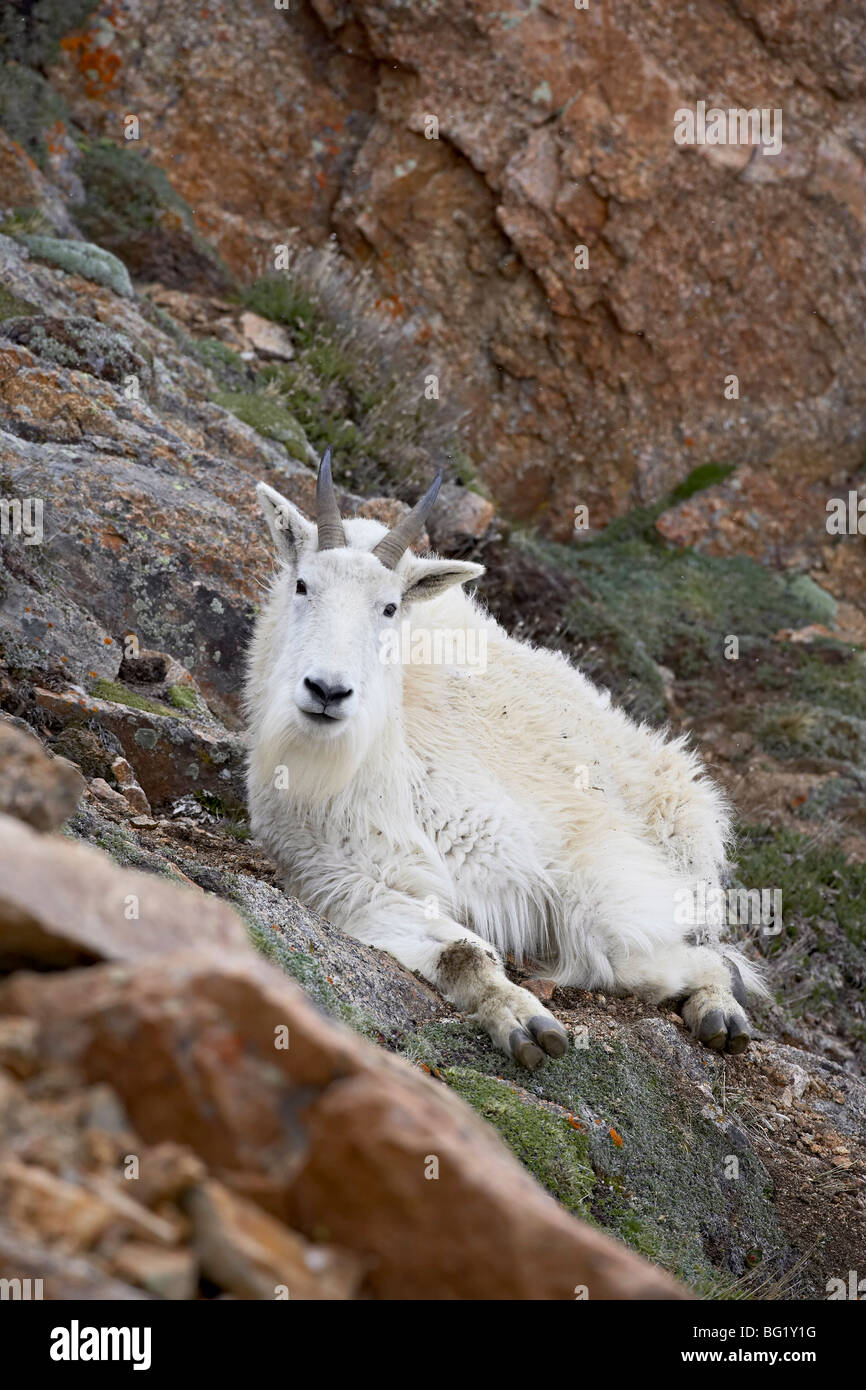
(713, 1032)
(739, 1036)
(524, 1050)
(724, 1033)
(549, 1034)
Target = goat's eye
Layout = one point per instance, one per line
(300, 587)
(389, 610)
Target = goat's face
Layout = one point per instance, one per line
(339, 602)
(332, 668)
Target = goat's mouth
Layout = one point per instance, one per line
(321, 719)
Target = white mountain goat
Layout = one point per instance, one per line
(449, 814)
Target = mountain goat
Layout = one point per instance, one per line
(449, 813)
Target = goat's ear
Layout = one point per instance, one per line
(425, 579)
(289, 528)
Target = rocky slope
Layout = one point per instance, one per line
(143, 392)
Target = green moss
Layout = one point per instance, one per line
(639, 523)
(704, 476)
(269, 417)
(658, 1164)
(229, 368)
(182, 697)
(834, 798)
(544, 1141)
(800, 730)
(818, 882)
(828, 673)
(652, 605)
(82, 258)
(116, 693)
(305, 970)
(12, 307)
(32, 33)
(465, 470)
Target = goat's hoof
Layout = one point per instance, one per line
(724, 1033)
(524, 1050)
(739, 1036)
(549, 1034)
(713, 1032)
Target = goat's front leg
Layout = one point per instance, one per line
(466, 970)
(472, 978)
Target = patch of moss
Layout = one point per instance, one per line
(305, 970)
(830, 674)
(654, 604)
(834, 798)
(82, 258)
(543, 1140)
(465, 470)
(12, 307)
(652, 1154)
(268, 417)
(639, 523)
(818, 882)
(801, 730)
(125, 851)
(116, 693)
(182, 697)
(704, 476)
(229, 368)
(29, 105)
(31, 33)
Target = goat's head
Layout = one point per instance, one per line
(344, 585)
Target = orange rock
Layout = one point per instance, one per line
(119, 914)
(340, 1135)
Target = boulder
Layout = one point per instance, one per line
(36, 787)
(355, 1147)
(245, 1251)
(62, 903)
(460, 519)
(171, 755)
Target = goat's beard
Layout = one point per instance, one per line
(318, 763)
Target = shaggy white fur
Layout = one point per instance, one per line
(452, 814)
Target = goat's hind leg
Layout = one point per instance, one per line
(709, 986)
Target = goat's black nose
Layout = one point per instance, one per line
(328, 694)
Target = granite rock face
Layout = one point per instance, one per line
(554, 127)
